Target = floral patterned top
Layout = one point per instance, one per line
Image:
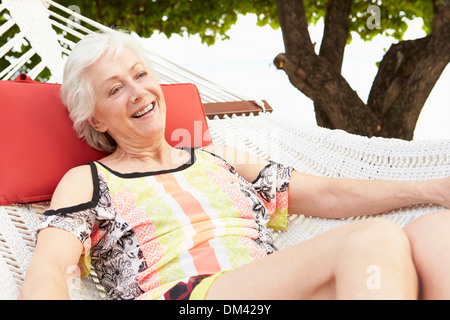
(144, 232)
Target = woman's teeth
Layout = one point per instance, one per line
(144, 111)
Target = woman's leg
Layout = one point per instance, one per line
(363, 260)
(430, 243)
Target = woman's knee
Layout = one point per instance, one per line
(429, 232)
(377, 235)
(429, 225)
(379, 230)
(429, 237)
(378, 254)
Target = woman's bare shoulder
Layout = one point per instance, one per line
(74, 188)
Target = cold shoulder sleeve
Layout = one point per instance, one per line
(86, 221)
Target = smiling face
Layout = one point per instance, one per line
(129, 104)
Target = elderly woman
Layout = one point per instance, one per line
(157, 222)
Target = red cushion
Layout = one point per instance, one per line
(186, 124)
(38, 144)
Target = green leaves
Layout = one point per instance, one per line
(211, 19)
(393, 18)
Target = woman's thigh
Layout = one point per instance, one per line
(308, 270)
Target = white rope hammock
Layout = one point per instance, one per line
(45, 24)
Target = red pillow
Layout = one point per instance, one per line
(38, 144)
(186, 124)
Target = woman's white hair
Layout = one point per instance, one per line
(77, 92)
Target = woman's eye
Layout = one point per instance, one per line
(114, 91)
(142, 74)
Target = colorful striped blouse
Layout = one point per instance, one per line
(144, 232)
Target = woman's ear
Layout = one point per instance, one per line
(97, 125)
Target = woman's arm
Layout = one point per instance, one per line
(339, 198)
(58, 251)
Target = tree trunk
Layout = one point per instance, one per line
(405, 79)
(317, 76)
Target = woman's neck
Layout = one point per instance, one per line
(154, 158)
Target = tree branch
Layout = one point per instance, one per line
(412, 99)
(427, 72)
(336, 32)
(441, 25)
(333, 45)
(294, 26)
(394, 72)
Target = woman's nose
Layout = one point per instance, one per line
(137, 93)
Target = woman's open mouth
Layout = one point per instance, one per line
(144, 111)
